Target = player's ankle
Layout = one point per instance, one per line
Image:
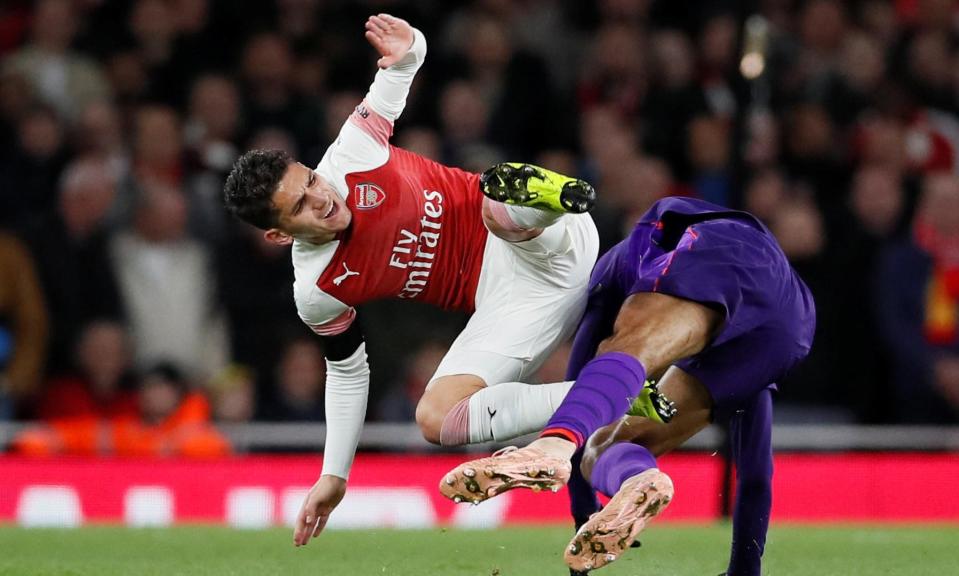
(555, 446)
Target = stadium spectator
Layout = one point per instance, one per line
(158, 146)
(31, 171)
(16, 99)
(170, 420)
(73, 262)
(168, 287)
(210, 134)
(616, 74)
(877, 204)
(98, 133)
(398, 404)
(61, 77)
(764, 194)
(299, 384)
(267, 76)
(511, 83)
(718, 62)
(23, 327)
(256, 277)
(174, 421)
(709, 156)
(464, 117)
(101, 385)
(233, 395)
(918, 307)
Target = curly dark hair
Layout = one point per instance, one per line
(248, 192)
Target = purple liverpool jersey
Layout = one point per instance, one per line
(722, 258)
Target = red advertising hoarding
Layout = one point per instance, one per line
(400, 491)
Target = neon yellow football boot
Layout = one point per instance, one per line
(653, 405)
(528, 185)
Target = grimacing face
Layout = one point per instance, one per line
(308, 208)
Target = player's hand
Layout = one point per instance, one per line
(324, 496)
(392, 37)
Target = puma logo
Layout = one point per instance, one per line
(339, 279)
(491, 414)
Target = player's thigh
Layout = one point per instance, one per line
(694, 412)
(462, 373)
(660, 329)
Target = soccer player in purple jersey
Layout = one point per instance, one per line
(702, 300)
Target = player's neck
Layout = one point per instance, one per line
(319, 239)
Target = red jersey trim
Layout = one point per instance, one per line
(335, 326)
(367, 120)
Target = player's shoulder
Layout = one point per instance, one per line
(309, 262)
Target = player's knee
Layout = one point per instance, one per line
(504, 229)
(429, 419)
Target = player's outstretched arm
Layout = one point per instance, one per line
(402, 51)
(347, 390)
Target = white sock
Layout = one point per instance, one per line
(513, 409)
(527, 217)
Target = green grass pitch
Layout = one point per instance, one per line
(667, 550)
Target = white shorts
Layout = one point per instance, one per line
(530, 298)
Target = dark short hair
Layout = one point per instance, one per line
(248, 192)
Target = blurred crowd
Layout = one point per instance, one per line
(134, 313)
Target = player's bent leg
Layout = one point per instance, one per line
(475, 396)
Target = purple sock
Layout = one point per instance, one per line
(619, 463)
(602, 393)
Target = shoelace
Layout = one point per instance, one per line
(516, 474)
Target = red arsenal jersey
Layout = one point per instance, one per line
(417, 233)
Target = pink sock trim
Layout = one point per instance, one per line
(501, 216)
(456, 426)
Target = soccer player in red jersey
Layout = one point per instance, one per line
(373, 221)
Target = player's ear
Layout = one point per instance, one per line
(277, 236)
